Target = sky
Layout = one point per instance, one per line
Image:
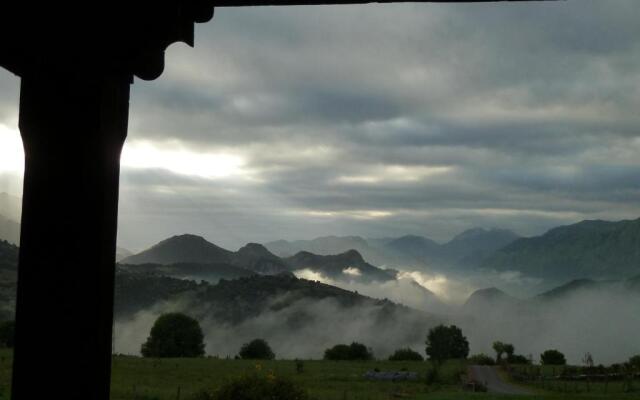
(378, 121)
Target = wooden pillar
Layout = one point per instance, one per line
(73, 128)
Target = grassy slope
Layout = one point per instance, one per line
(325, 380)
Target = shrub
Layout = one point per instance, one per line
(406, 355)
(446, 342)
(174, 335)
(481, 359)
(354, 351)
(552, 357)
(338, 352)
(518, 359)
(260, 387)
(257, 349)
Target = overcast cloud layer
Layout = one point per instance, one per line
(382, 120)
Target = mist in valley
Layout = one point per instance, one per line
(604, 322)
(304, 329)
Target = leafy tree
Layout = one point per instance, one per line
(481, 359)
(406, 355)
(257, 349)
(509, 349)
(446, 342)
(338, 352)
(354, 351)
(519, 359)
(174, 335)
(498, 347)
(635, 361)
(552, 357)
(360, 352)
(7, 335)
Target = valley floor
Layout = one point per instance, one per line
(146, 379)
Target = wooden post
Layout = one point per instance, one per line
(73, 129)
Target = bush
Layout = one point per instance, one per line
(257, 349)
(354, 351)
(174, 335)
(338, 352)
(552, 357)
(481, 359)
(260, 387)
(446, 342)
(7, 333)
(518, 359)
(406, 355)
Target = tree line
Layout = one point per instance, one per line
(178, 335)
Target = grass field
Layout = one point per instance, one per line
(147, 379)
(613, 388)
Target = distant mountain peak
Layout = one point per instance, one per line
(491, 296)
(181, 248)
(489, 293)
(593, 249)
(353, 255)
(476, 232)
(570, 288)
(255, 248)
(348, 256)
(185, 237)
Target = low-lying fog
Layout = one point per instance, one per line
(603, 322)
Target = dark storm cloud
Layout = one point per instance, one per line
(392, 119)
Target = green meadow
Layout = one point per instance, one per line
(136, 378)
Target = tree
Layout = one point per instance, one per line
(519, 359)
(174, 335)
(360, 352)
(406, 355)
(446, 342)
(509, 349)
(7, 334)
(635, 361)
(338, 352)
(552, 357)
(257, 349)
(498, 347)
(354, 351)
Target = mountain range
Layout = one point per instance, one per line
(233, 303)
(496, 299)
(467, 249)
(591, 249)
(255, 258)
(281, 307)
(588, 249)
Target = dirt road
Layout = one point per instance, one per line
(489, 376)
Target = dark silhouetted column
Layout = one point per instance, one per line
(73, 128)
